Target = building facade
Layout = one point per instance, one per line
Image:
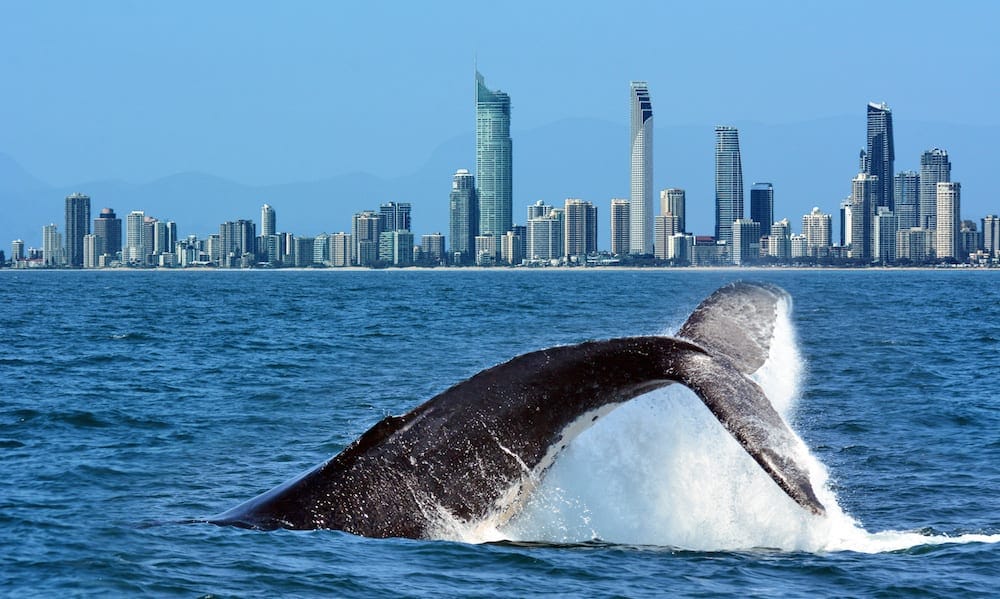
(673, 201)
(728, 183)
(641, 204)
(762, 204)
(620, 223)
(881, 153)
(906, 199)
(948, 200)
(463, 217)
(934, 168)
(77, 225)
(580, 235)
(493, 159)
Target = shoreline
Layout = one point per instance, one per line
(589, 269)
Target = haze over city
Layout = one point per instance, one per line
(202, 113)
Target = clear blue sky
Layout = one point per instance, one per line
(268, 92)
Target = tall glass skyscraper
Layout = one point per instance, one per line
(641, 204)
(728, 183)
(493, 160)
(934, 168)
(77, 225)
(881, 154)
(762, 205)
(463, 217)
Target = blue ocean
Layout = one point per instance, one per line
(132, 403)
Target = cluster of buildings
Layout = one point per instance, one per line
(909, 217)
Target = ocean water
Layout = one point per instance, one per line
(134, 402)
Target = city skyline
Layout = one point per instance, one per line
(313, 115)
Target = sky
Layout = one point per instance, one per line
(267, 92)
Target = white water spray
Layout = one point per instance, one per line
(661, 470)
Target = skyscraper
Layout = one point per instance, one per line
(641, 205)
(863, 189)
(881, 154)
(884, 230)
(52, 247)
(948, 219)
(673, 202)
(746, 241)
(268, 220)
(620, 226)
(816, 227)
(991, 235)
(395, 216)
(463, 217)
(762, 205)
(493, 159)
(77, 225)
(134, 252)
(934, 168)
(365, 235)
(906, 198)
(728, 183)
(580, 235)
(108, 228)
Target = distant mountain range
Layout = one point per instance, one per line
(809, 163)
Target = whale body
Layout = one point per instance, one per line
(475, 451)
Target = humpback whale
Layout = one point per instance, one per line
(475, 451)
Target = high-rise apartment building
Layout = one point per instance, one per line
(665, 226)
(762, 204)
(641, 205)
(365, 231)
(395, 216)
(77, 225)
(16, 251)
(493, 159)
(108, 228)
(746, 241)
(728, 183)
(881, 154)
(779, 241)
(134, 252)
(863, 189)
(341, 249)
(991, 235)
(463, 217)
(432, 248)
(580, 235)
(934, 168)
(545, 236)
(674, 203)
(817, 227)
(884, 236)
(620, 218)
(53, 252)
(268, 221)
(948, 219)
(906, 199)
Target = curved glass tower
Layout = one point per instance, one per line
(881, 153)
(641, 204)
(493, 159)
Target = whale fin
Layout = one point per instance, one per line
(737, 321)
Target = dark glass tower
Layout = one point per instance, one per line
(395, 216)
(728, 182)
(906, 198)
(463, 217)
(493, 160)
(880, 153)
(762, 205)
(108, 227)
(77, 225)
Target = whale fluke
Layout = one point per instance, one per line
(476, 450)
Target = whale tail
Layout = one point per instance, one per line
(736, 326)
